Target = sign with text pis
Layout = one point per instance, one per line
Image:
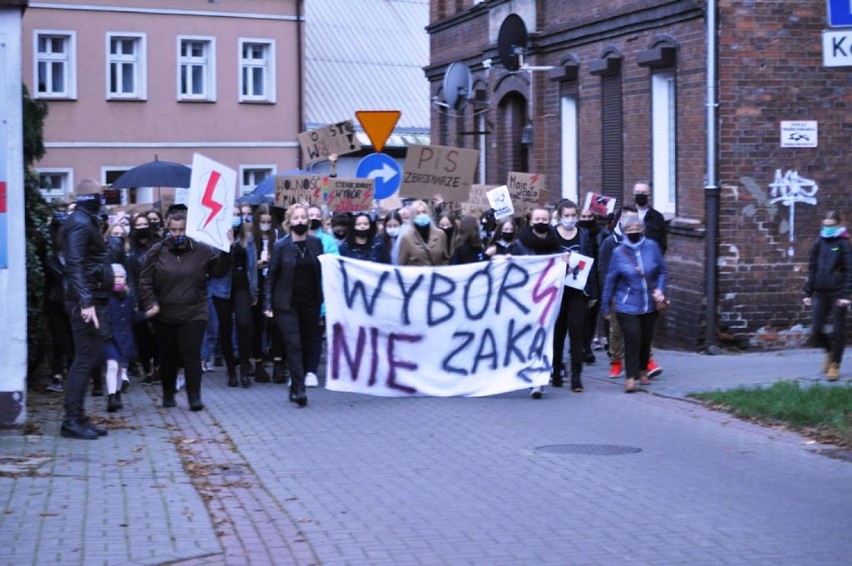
(337, 138)
(433, 169)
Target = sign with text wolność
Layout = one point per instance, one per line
(433, 169)
(349, 195)
(291, 189)
(527, 189)
(337, 138)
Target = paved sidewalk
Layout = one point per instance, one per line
(597, 478)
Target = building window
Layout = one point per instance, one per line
(252, 175)
(612, 139)
(663, 141)
(257, 70)
(570, 153)
(196, 68)
(126, 69)
(55, 64)
(54, 184)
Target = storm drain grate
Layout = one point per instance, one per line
(587, 449)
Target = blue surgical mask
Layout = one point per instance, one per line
(422, 219)
(236, 222)
(831, 231)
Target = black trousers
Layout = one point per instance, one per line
(298, 328)
(570, 322)
(88, 356)
(638, 331)
(825, 309)
(180, 344)
(236, 310)
(62, 341)
(146, 345)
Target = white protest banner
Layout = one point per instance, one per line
(337, 138)
(501, 202)
(527, 189)
(433, 169)
(210, 206)
(465, 330)
(579, 268)
(599, 204)
(349, 195)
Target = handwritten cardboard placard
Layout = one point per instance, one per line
(527, 189)
(477, 201)
(350, 195)
(337, 138)
(432, 169)
(291, 189)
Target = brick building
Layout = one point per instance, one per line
(612, 91)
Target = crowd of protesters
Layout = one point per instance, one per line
(131, 298)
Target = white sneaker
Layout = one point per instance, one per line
(537, 392)
(125, 383)
(311, 379)
(180, 383)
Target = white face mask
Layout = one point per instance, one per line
(264, 226)
(392, 232)
(569, 223)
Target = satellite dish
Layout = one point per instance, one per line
(512, 42)
(458, 85)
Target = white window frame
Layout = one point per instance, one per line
(68, 182)
(246, 189)
(570, 143)
(139, 59)
(207, 62)
(69, 58)
(664, 140)
(269, 77)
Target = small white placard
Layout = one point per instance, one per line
(579, 268)
(501, 201)
(799, 133)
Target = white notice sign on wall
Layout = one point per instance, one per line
(799, 133)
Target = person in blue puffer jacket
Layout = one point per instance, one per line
(635, 288)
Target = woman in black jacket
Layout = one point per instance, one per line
(361, 241)
(292, 294)
(829, 290)
(468, 243)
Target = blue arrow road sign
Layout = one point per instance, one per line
(839, 13)
(385, 170)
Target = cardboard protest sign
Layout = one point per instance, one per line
(337, 138)
(210, 205)
(350, 195)
(431, 169)
(291, 189)
(527, 189)
(476, 200)
(501, 202)
(579, 268)
(599, 204)
(465, 330)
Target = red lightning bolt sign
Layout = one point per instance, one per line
(207, 198)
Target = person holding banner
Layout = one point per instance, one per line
(361, 241)
(173, 292)
(424, 243)
(539, 239)
(571, 320)
(292, 295)
(636, 282)
(504, 236)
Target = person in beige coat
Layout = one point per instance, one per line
(423, 243)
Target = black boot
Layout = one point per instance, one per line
(232, 377)
(195, 403)
(576, 382)
(118, 400)
(556, 378)
(279, 372)
(260, 373)
(74, 429)
(245, 375)
(169, 399)
(112, 403)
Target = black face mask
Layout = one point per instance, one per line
(587, 224)
(361, 233)
(155, 226)
(316, 224)
(91, 206)
(541, 228)
(142, 234)
(641, 200)
(448, 232)
(507, 236)
(299, 229)
(634, 237)
(340, 234)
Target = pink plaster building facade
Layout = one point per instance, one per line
(127, 81)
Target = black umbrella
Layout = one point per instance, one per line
(155, 174)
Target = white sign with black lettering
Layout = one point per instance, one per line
(837, 48)
(801, 133)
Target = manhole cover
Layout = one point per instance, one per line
(587, 449)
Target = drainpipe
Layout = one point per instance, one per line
(300, 71)
(711, 190)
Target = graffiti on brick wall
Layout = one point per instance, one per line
(790, 189)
